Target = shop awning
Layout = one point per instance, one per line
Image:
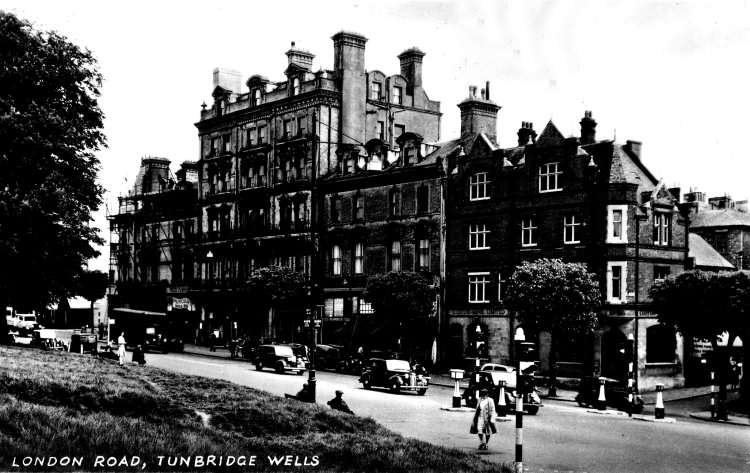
(145, 313)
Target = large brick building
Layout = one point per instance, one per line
(573, 198)
(263, 152)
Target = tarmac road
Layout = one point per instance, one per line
(563, 437)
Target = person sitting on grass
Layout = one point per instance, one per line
(339, 404)
(138, 356)
(305, 394)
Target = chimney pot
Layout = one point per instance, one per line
(482, 93)
(487, 89)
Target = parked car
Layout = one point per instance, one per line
(47, 339)
(26, 322)
(301, 352)
(615, 391)
(279, 357)
(393, 374)
(327, 356)
(491, 381)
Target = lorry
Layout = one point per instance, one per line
(153, 331)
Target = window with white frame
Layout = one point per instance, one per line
(424, 254)
(662, 228)
(478, 284)
(381, 130)
(571, 229)
(359, 258)
(397, 95)
(396, 256)
(478, 186)
(616, 282)
(336, 260)
(549, 177)
(478, 236)
(376, 91)
(528, 232)
(617, 219)
(334, 307)
(365, 307)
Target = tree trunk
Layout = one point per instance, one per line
(552, 359)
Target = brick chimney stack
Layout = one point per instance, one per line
(411, 68)
(526, 134)
(300, 57)
(588, 129)
(479, 115)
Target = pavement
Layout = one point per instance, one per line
(565, 395)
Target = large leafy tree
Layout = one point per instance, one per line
(277, 286)
(704, 305)
(50, 129)
(92, 286)
(403, 303)
(552, 296)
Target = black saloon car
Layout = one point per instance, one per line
(395, 375)
(279, 357)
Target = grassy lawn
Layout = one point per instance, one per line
(56, 405)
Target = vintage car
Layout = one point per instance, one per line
(396, 375)
(327, 356)
(46, 339)
(279, 357)
(83, 343)
(491, 381)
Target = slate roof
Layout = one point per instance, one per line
(705, 255)
(720, 218)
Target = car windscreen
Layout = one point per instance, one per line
(398, 365)
(283, 351)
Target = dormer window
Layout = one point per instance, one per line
(295, 86)
(376, 91)
(397, 95)
(256, 96)
(410, 155)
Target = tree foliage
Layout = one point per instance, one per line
(50, 128)
(403, 303)
(704, 305)
(553, 296)
(400, 295)
(92, 285)
(277, 286)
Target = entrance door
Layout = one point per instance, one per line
(614, 364)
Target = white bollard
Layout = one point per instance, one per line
(659, 409)
(601, 403)
(502, 407)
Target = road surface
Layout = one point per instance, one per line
(563, 437)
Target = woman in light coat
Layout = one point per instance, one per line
(121, 348)
(484, 419)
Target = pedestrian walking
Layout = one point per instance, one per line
(339, 404)
(484, 419)
(121, 348)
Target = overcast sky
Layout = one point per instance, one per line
(673, 75)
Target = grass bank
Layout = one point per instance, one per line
(56, 405)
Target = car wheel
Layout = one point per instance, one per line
(301, 372)
(532, 410)
(581, 402)
(395, 387)
(279, 368)
(366, 383)
(259, 366)
(422, 392)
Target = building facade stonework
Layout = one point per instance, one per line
(341, 174)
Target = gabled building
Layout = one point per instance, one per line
(574, 198)
(722, 223)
